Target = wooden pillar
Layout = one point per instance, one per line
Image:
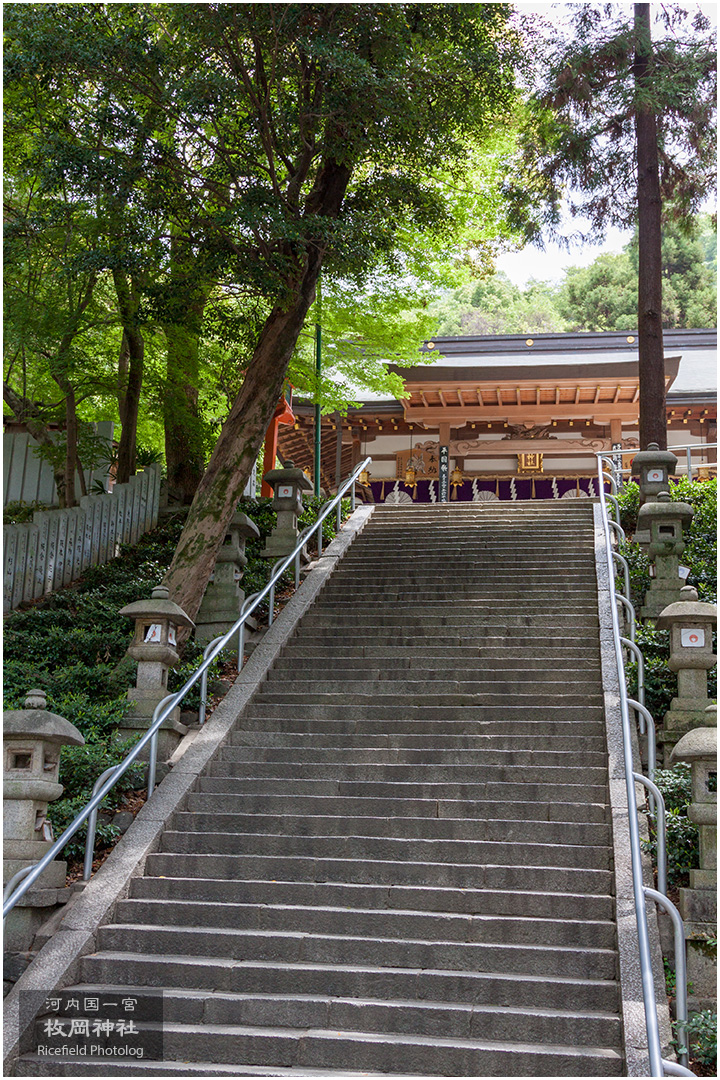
(269, 455)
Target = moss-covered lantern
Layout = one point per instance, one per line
(33, 738)
(660, 533)
(288, 485)
(154, 646)
(691, 624)
(653, 467)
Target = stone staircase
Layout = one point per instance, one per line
(400, 862)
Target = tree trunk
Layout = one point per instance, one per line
(131, 363)
(184, 458)
(183, 437)
(244, 430)
(653, 425)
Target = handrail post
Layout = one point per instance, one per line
(92, 825)
(616, 525)
(688, 452)
(681, 1006)
(627, 606)
(661, 829)
(626, 569)
(637, 652)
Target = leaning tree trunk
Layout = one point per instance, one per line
(244, 429)
(653, 423)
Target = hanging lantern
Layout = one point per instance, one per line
(410, 475)
(456, 480)
(364, 478)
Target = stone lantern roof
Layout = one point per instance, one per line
(687, 608)
(158, 606)
(654, 456)
(36, 722)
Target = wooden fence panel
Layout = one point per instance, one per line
(59, 545)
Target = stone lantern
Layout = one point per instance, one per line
(690, 623)
(288, 485)
(33, 738)
(224, 595)
(660, 533)
(154, 647)
(698, 904)
(653, 467)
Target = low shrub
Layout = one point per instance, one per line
(683, 841)
(702, 1036)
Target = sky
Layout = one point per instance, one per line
(549, 263)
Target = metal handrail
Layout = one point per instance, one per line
(165, 712)
(637, 652)
(661, 827)
(627, 606)
(646, 973)
(681, 1006)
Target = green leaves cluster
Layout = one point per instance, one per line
(601, 296)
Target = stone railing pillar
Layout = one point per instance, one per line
(698, 903)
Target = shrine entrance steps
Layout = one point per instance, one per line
(400, 862)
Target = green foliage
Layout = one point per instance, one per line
(702, 1036)
(700, 536)
(601, 296)
(580, 134)
(683, 842)
(19, 513)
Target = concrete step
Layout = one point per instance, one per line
(264, 718)
(386, 872)
(489, 772)
(426, 828)
(530, 757)
(427, 691)
(565, 621)
(373, 896)
(457, 1020)
(354, 703)
(521, 787)
(562, 737)
(292, 947)
(230, 802)
(389, 1052)
(503, 989)
(294, 662)
(388, 849)
(404, 713)
(496, 649)
(430, 669)
(359, 922)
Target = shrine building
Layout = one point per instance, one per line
(512, 416)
